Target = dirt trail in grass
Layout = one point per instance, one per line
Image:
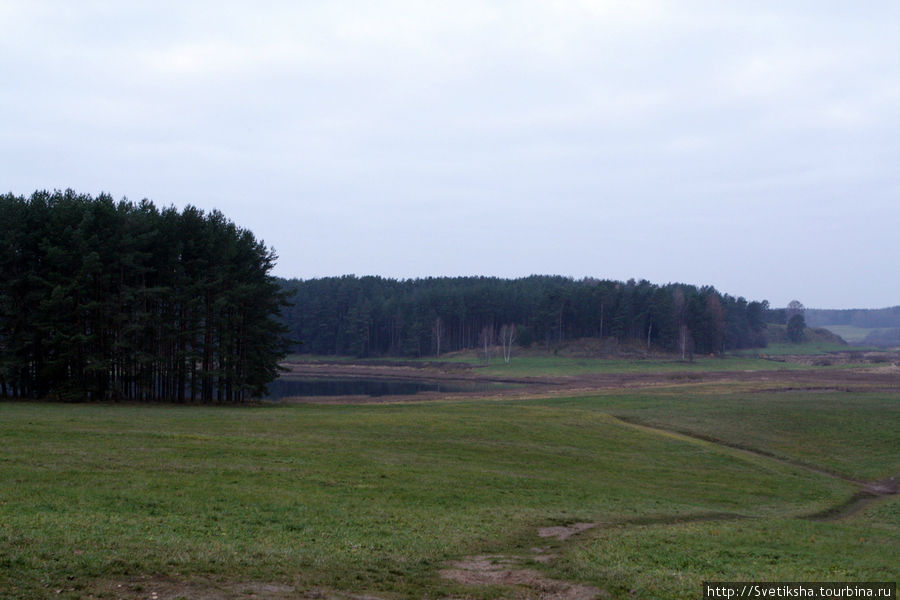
(735, 446)
(200, 588)
(564, 532)
(520, 580)
(516, 575)
(869, 491)
(519, 576)
(508, 571)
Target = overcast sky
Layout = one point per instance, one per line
(753, 146)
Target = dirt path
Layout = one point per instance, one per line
(740, 448)
(523, 582)
(519, 579)
(520, 576)
(516, 573)
(869, 491)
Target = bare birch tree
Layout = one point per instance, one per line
(437, 332)
(486, 340)
(687, 343)
(507, 337)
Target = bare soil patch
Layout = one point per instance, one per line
(505, 571)
(850, 357)
(564, 532)
(886, 486)
(197, 588)
(523, 582)
(166, 588)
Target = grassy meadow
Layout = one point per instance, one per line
(527, 363)
(543, 365)
(375, 499)
(852, 333)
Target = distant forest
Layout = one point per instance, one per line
(374, 316)
(864, 318)
(115, 300)
(106, 300)
(882, 324)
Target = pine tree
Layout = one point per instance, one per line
(102, 300)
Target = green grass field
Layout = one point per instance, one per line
(852, 333)
(560, 366)
(813, 347)
(375, 499)
(537, 363)
(544, 365)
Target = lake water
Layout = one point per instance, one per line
(289, 386)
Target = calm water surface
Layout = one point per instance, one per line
(291, 386)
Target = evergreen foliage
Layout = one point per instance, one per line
(373, 316)
(105, 300)
(795, 328)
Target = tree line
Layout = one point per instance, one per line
(864, 318)
(375, 316)
(107, 300)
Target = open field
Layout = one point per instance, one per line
(531, 363)
(684, 480)
(852, 333)
(539, 373)
(816, 347)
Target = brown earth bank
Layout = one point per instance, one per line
(147, 587)
(849, 357)
(878, 378)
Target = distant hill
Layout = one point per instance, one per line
(865, 318)
(882, 337)
(864, 327)
(777, 334)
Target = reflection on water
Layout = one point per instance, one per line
(288, 386)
